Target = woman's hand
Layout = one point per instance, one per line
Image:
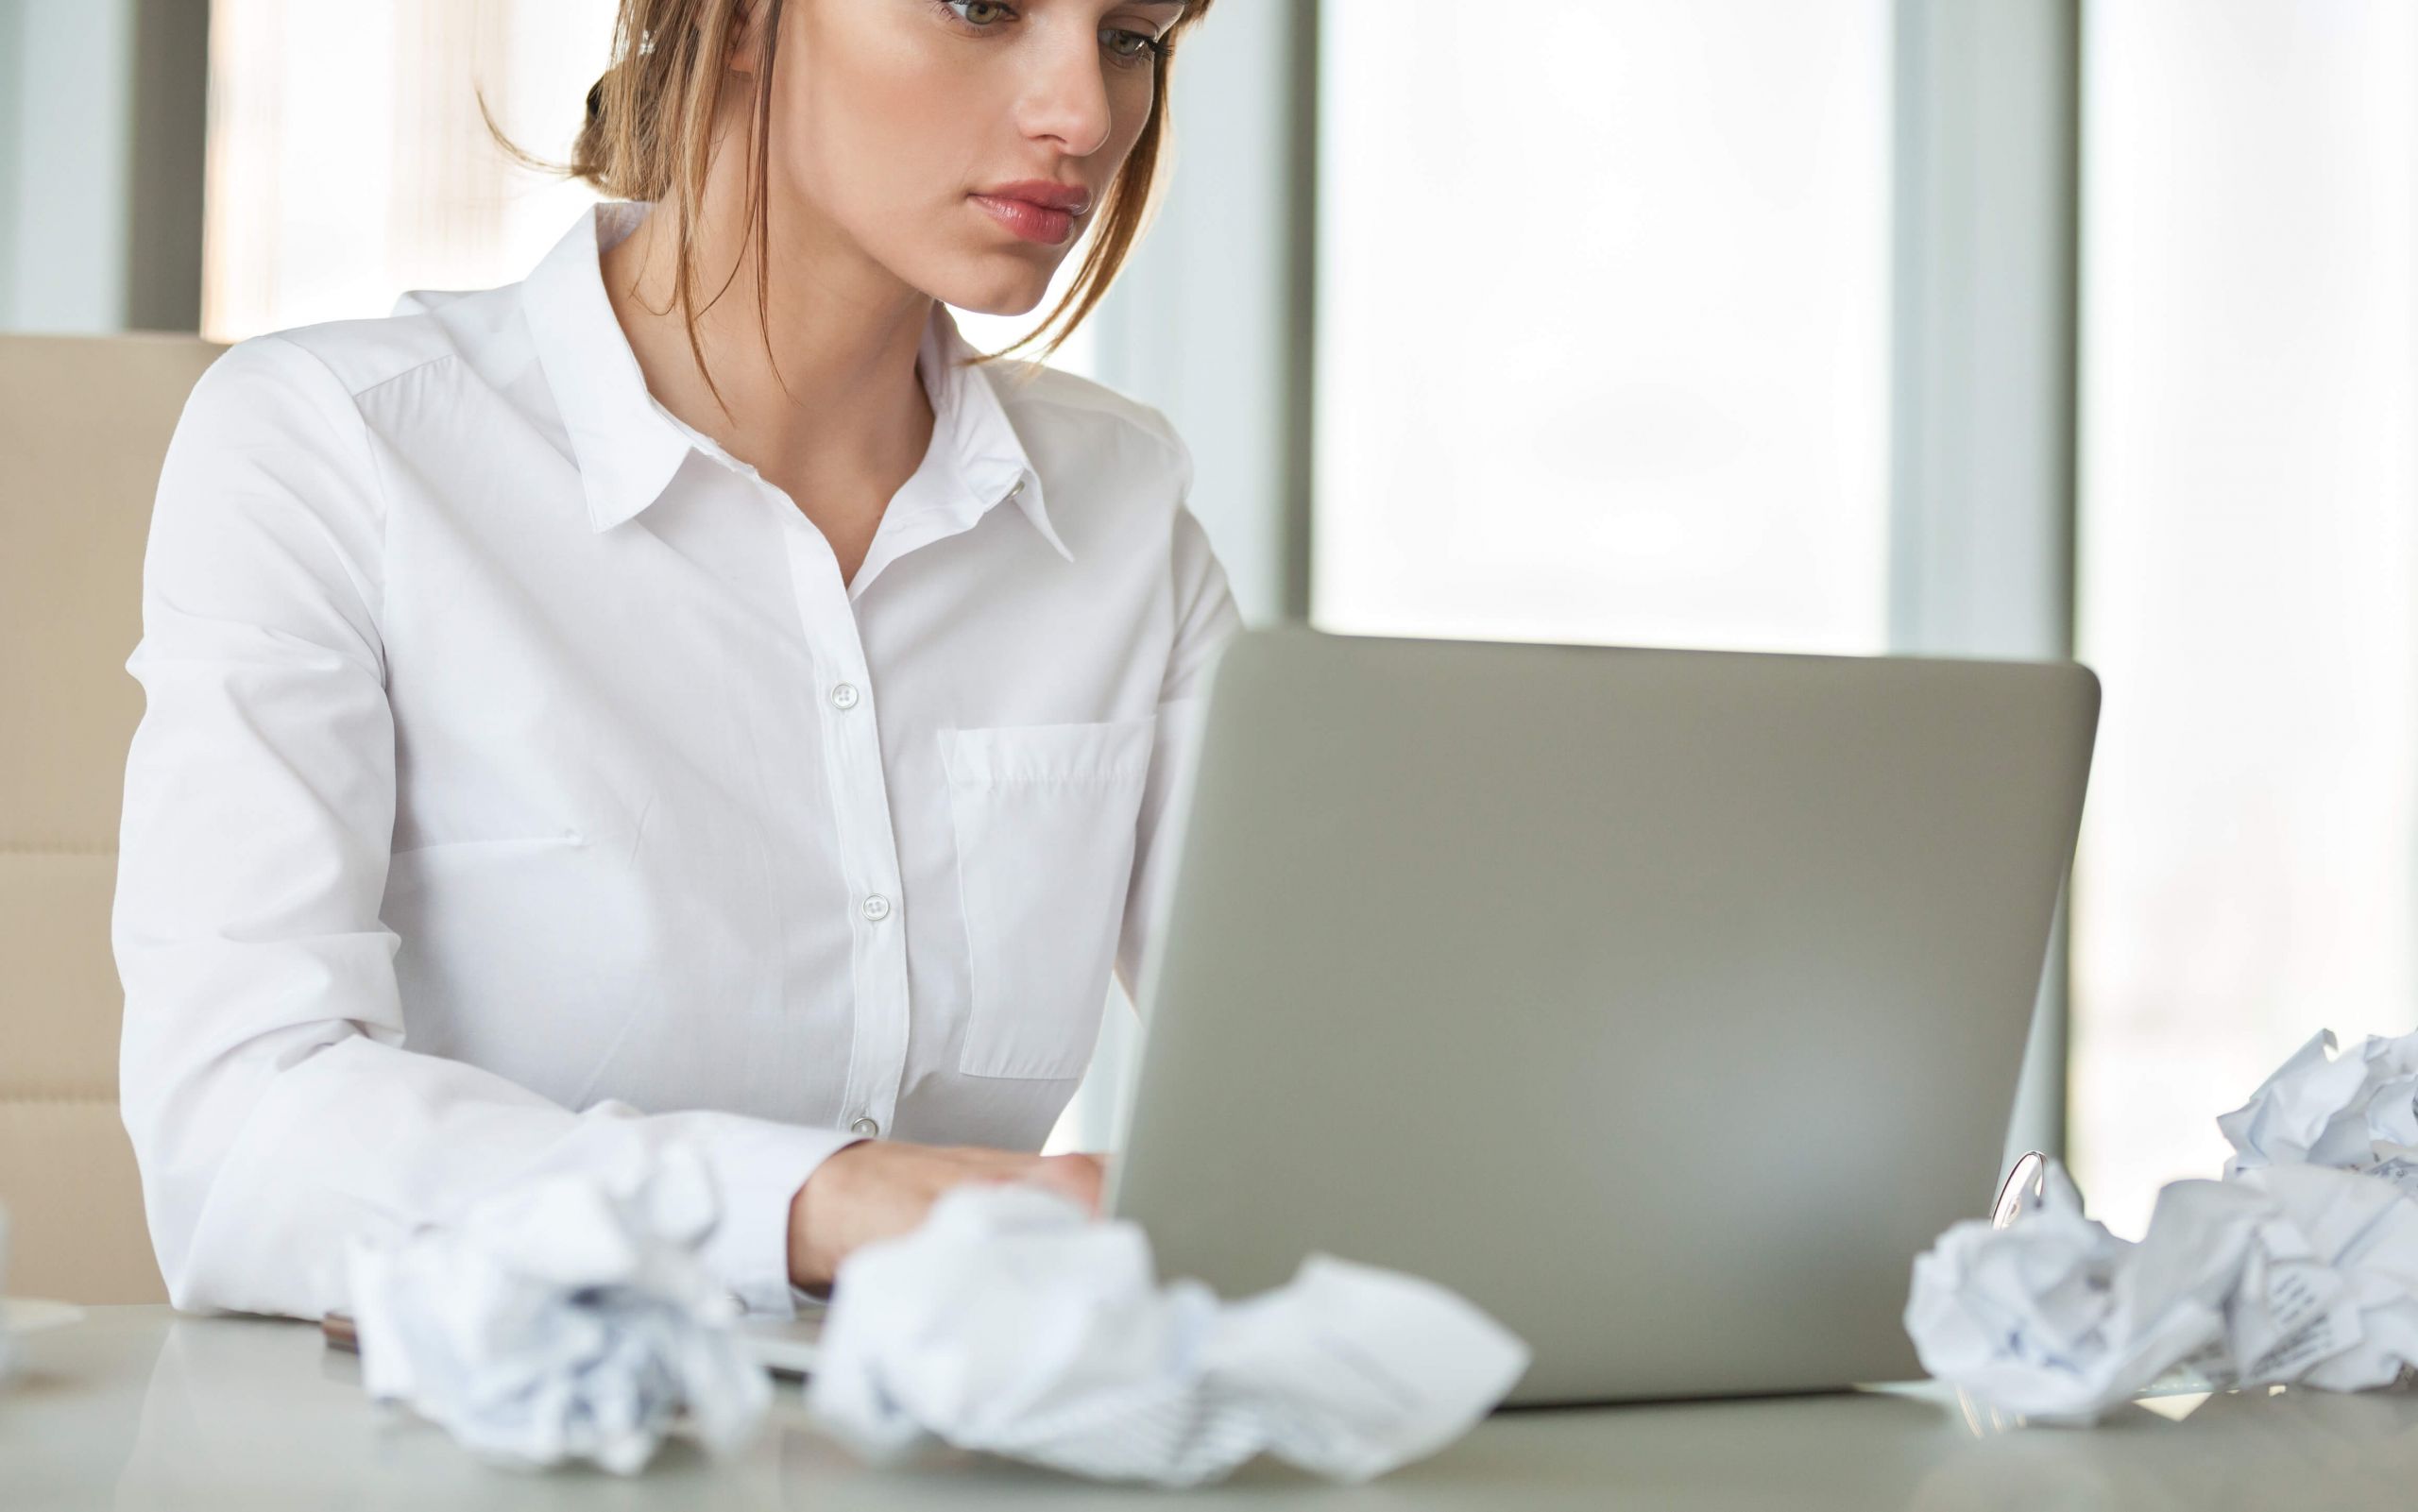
(882, 1188)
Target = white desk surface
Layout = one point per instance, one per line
(136, 1408)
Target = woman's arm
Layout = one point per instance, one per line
(1205, 619)
(272, 1106)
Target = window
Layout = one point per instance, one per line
(347, 161)
(2249, 563)
(1603, 322)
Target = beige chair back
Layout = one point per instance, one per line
(84, 421)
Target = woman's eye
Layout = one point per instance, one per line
(1132, 47)
(1125, 47)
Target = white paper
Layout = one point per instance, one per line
(2055, 1317)
(1012, 1322)
(2301, 1265)
(2323, 1110)
(566, 1318)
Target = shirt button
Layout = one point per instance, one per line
(864, 1125)
(844, 696)
(876, 907)
(1017, 489)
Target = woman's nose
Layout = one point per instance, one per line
(1067, 97)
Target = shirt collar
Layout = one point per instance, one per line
(629, 446)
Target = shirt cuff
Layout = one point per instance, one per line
(758, 1166)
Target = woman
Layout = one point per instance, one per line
(595, 710)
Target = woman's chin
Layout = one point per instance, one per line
(992, 296)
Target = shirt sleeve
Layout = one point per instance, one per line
(272, 1105)
(1205, 619)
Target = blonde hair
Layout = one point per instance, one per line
(649, 135)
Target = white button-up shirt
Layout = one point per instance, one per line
(518, 780)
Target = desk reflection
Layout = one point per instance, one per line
(195, 1414)
(2256, 1450)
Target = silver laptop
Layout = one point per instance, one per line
(1664, 1003)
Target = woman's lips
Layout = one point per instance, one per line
(1035, 222)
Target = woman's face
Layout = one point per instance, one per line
(900, 123)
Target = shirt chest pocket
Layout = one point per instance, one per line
(1045, 818)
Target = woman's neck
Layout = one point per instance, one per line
(847, 419)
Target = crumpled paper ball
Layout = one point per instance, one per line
(564, 1318)
(2329, 1290)
(2054, 1317)
(1014, 1323)
(2319, 1108)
